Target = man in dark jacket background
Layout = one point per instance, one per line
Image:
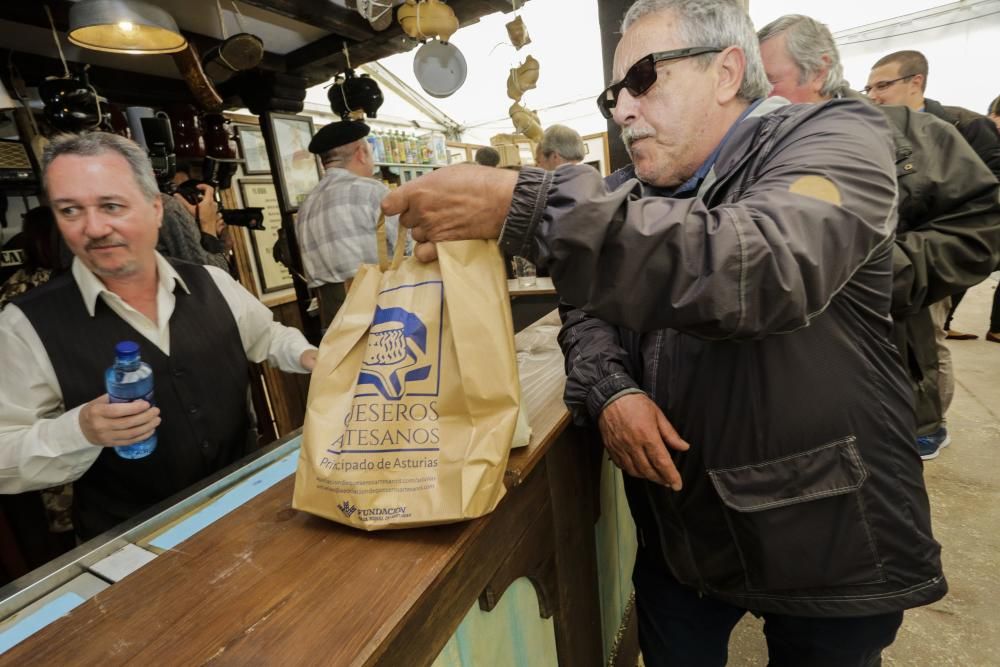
(948, 237)
(742, 281)
(900, 78)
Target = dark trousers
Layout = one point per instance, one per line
(994, 313)
(955, 300)
(679, 628)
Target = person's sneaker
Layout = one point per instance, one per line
(993, 337)
(951, 334)
(931, 445)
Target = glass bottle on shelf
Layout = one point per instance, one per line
(426, 154)
(388, 148)
(408, 149)
(400, 148)
(440, 149)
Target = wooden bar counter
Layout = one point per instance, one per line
(267, 585)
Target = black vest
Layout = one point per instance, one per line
(201, 390)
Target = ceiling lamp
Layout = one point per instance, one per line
(124, 26)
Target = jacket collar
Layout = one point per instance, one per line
(758, 109)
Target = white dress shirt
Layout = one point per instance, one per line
(41, 444)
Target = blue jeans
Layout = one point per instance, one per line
(679, 628)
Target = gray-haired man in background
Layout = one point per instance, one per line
(559, 145)
(948, 237)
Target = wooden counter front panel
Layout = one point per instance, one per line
(280, 586)
(269, 585)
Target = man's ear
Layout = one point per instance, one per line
(730, 66)
(819, 78)
(158, 209)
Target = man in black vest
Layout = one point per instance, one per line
(196, 327)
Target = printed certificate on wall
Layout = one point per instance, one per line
(274, 276)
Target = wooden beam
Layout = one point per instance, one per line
(119, 86)
(316, 54)
(323, 59)
(321, 14)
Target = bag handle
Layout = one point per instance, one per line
(382, 241)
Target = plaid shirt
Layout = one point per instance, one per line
(336, 226)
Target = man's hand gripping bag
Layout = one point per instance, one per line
(413, 402)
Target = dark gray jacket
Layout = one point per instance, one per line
(948, 239)
(977, 129)
(761, 312)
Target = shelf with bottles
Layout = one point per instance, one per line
(399, 149)
(410, 165)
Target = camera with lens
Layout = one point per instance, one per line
(251, 217)
(217, 173)
(189, 190)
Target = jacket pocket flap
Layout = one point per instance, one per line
(831, 470)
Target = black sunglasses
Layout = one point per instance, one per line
(642, 75)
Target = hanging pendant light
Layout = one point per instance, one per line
(124, 26)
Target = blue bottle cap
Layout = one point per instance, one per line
(127, 348)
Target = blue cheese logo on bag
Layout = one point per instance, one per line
(396, 355)
(403, 355)
(395, 406)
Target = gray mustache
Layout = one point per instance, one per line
(631, 134)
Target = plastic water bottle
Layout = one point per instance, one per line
(131, 379)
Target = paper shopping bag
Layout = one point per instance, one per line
(414, 399)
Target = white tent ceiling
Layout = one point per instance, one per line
(567, 44)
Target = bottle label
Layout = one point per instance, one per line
(145, 397)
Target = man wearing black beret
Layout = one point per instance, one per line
(336, 222)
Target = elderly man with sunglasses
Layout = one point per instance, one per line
(731, 341)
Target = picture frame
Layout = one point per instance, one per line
(261, 192)
(298, 171)
(252, 150)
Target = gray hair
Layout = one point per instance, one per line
(341, 154)
(563, 141)
(721, 23)
(91, 144)
(807, 41)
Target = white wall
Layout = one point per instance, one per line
(566, 42)
(963, 70)
(962, 59)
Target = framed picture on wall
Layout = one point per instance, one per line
(259, 192)
(252, 150)
(298, 170)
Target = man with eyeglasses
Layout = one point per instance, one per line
(900, 78)
(948, 238)
(731, 342)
